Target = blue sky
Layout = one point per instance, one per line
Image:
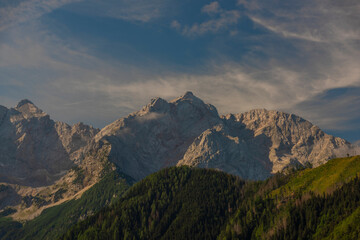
(95, 61)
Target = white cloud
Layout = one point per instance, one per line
(61, 78)
(28, 10)
(336, 109)
(129, 10)
(222, 22)
(318, 21)
(73, 84)
(175, 24)
(219, 20)
(211, 8)
(306, 35)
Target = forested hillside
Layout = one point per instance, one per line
(189, 203)
(55, 221)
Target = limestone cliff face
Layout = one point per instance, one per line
(158, 135)
(292, 139)
(231, 150)
(75, 138)
(186, 131)
(258, 143)
(40, 158)
(35, 150)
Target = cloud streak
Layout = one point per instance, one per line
(317, 21)
(211, 8)
(223, 22)
(28, 10)
(109, 90)
(220, 20)
(128, 10)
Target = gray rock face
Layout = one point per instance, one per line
(258, 143)
(158, 135)
(231, 150)
(292, 139)
(35, 150)
(186, 131)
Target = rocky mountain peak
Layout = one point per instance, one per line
(156, 105)
(29, 109)
(24, 102)
(188, 104)
(185, 130)
(188, 96)
(34, 149)
(258, 117)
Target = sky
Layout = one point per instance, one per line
(96, 61)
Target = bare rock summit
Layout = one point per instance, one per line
(187, 131)
(34, 149)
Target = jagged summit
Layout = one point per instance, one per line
(29, 109)
(186, 130)
(188, 96)
(34, 149)
(156, 105)
(264, 115)
(23, 102)
(186, 105)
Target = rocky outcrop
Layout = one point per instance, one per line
(158, 135)
(43, 162)
(186, 131)
(35, 150)
(75, 138)
(258, 143)
(292, 139)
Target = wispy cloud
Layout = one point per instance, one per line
(27, 10)
(220, 19)
(56, 74)
(336, 109)
(211, 8)
(129, 10)
(302, 50)
(318, 21)
(73, 84)
(24, 11)
(306, 35)
(225, 20)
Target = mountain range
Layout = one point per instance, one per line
(40, 157)
(53, 175)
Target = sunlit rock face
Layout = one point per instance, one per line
(187, 131)
(158, 135)
(35, 150)
(291, 138)
(258, 143)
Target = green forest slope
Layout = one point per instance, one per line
(192, 203)
(324, 178)
(55, 221)
(189, 203)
